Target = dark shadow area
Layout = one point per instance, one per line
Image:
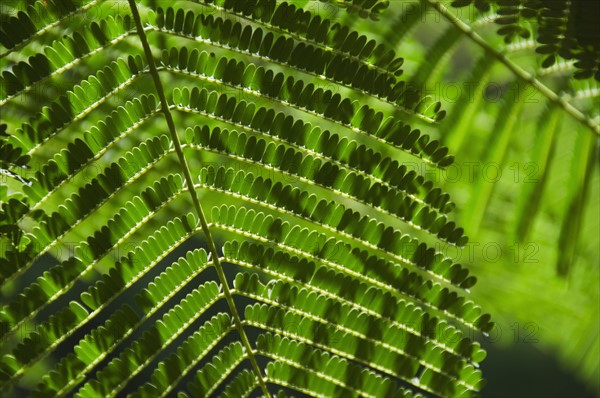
(522, 370)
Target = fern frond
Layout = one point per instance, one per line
(319, 272)
(344, 69)
(24, 27)
(562, 29)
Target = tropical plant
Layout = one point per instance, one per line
(524, 132)
(215, 197)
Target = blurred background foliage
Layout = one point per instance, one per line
(525, 180)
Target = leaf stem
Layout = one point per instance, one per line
(188, 178)
(514, 68)
(46, 28)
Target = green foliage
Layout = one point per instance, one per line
(219, 197)
(327, 281)
(536, 195)
(562, 29)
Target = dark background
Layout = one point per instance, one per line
(523, 370)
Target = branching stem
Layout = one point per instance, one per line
(190, 184)
(514, 68)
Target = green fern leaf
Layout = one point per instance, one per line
(229, 181)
